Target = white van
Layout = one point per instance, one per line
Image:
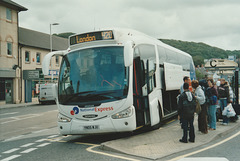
(46, 93)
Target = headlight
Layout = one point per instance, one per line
(62, 118)
(123, 114)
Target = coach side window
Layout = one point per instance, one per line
(171, 57)
(146, 51)
(148, 55)
(162, 55)
(187, 64)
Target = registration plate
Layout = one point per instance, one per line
(91, 127)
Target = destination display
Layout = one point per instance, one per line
(93, 36)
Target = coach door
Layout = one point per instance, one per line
(140, 99)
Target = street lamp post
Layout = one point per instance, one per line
(54, 24)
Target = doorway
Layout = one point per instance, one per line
(9, 91)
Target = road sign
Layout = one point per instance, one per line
(30, 74)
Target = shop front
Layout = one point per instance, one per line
(6, 86)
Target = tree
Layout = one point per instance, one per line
(198, 60)
(199, 75)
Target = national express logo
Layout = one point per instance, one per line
(76, 110)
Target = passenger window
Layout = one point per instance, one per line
(146, 51)
(162, 55)
(171, 55)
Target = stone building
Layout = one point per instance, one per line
(221, 68)
(33, 46)
(9, 62)
(21, 54)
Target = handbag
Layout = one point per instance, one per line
(213, 100)
(198, 107)
(229, 111)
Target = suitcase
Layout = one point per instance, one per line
(236, 108)
(233, 119)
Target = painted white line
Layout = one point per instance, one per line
(28, 150)
(201, 150)
(44, 144)
(39, 131)
(11, 150)
(106, 154)
(12, 113)
(11, 157)
(13, 119)
(41, 140)
(13, 138)
(19, 118)
(204, 159)
(27, 145)
(52, 136)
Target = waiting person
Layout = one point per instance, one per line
(218, 113)
(186, 79)
(224, 99)
(212, 107)
(218, 83)
(202, 116)
(186, 109)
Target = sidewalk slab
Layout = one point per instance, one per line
(165, 141)
(18, 105)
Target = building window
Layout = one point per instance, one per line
(9, 14)
(57, 60)
(9, 48)
(27, 56)
(38, 58)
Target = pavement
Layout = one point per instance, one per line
(158, 143)
(18, 105)
(163, 142)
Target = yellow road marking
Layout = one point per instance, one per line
(92, 151)
(85, 143)
(139, 127)
(201, 150)
(171, 121)
(58, 139)
(106, 154)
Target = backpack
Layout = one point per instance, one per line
(189, 108)
(204, 85)
(211, 99)
(208, 96)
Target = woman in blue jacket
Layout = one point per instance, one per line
(212, 104)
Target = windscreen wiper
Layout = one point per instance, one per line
(106, 94)
(81, 93)
(72, 96)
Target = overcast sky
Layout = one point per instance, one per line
(215, 22)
